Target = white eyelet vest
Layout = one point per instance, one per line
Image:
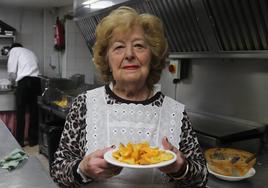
(110, 124)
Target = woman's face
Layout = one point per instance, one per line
(129, 56)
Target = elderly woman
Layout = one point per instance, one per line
(130, 53)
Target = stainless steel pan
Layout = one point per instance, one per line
(5, 85)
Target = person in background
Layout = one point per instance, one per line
(129, 52)
(23, 71)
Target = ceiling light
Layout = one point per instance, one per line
(101, 4)
(88, 2)
(97, 4)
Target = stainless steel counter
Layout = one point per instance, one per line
(30, 174)
(260, 180)
(214, 131)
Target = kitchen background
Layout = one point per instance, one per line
(222, 47)
(226, 87)
(35, 30)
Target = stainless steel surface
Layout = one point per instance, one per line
(240, 25)
(215, 131)
(195, 28)
(55, 89)
(257, 54)
(124, 185)
(6, 137)
(259, 180)
(7, 100)
(30, 174)
(232, 88)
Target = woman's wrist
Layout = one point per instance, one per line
(181, 173)
(79, 175)
(85, 178)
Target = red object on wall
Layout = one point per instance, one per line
(172, 69)
(59, 38)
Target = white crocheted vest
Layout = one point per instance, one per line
(111, 124)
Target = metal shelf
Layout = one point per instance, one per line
(8, 36)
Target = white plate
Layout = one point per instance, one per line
(110, 159)
(249, 174)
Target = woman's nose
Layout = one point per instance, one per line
(129, 53)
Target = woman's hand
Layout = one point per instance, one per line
(95, 167)
(179, 165)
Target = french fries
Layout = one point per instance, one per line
(141, 154)
(63, 103)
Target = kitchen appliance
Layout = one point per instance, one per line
(52, 114)
(78, 79)
(55, 89)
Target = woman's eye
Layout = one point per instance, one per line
(118, 47)
(139, 45)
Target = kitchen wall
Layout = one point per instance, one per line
(29, 26)
(51, 57)
(230, 88)
(78, 57)
(35, 30)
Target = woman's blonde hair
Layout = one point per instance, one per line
(124, 18)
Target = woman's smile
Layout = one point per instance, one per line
(131, 67)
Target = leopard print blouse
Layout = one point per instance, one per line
(72, 146)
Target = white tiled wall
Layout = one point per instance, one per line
(35, 30)
(51, 57)
(78, 57)
(29, 26)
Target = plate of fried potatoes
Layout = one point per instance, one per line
(140, 155)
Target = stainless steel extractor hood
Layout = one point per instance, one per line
(196, 28)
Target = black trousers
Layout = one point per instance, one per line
(26, 98)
